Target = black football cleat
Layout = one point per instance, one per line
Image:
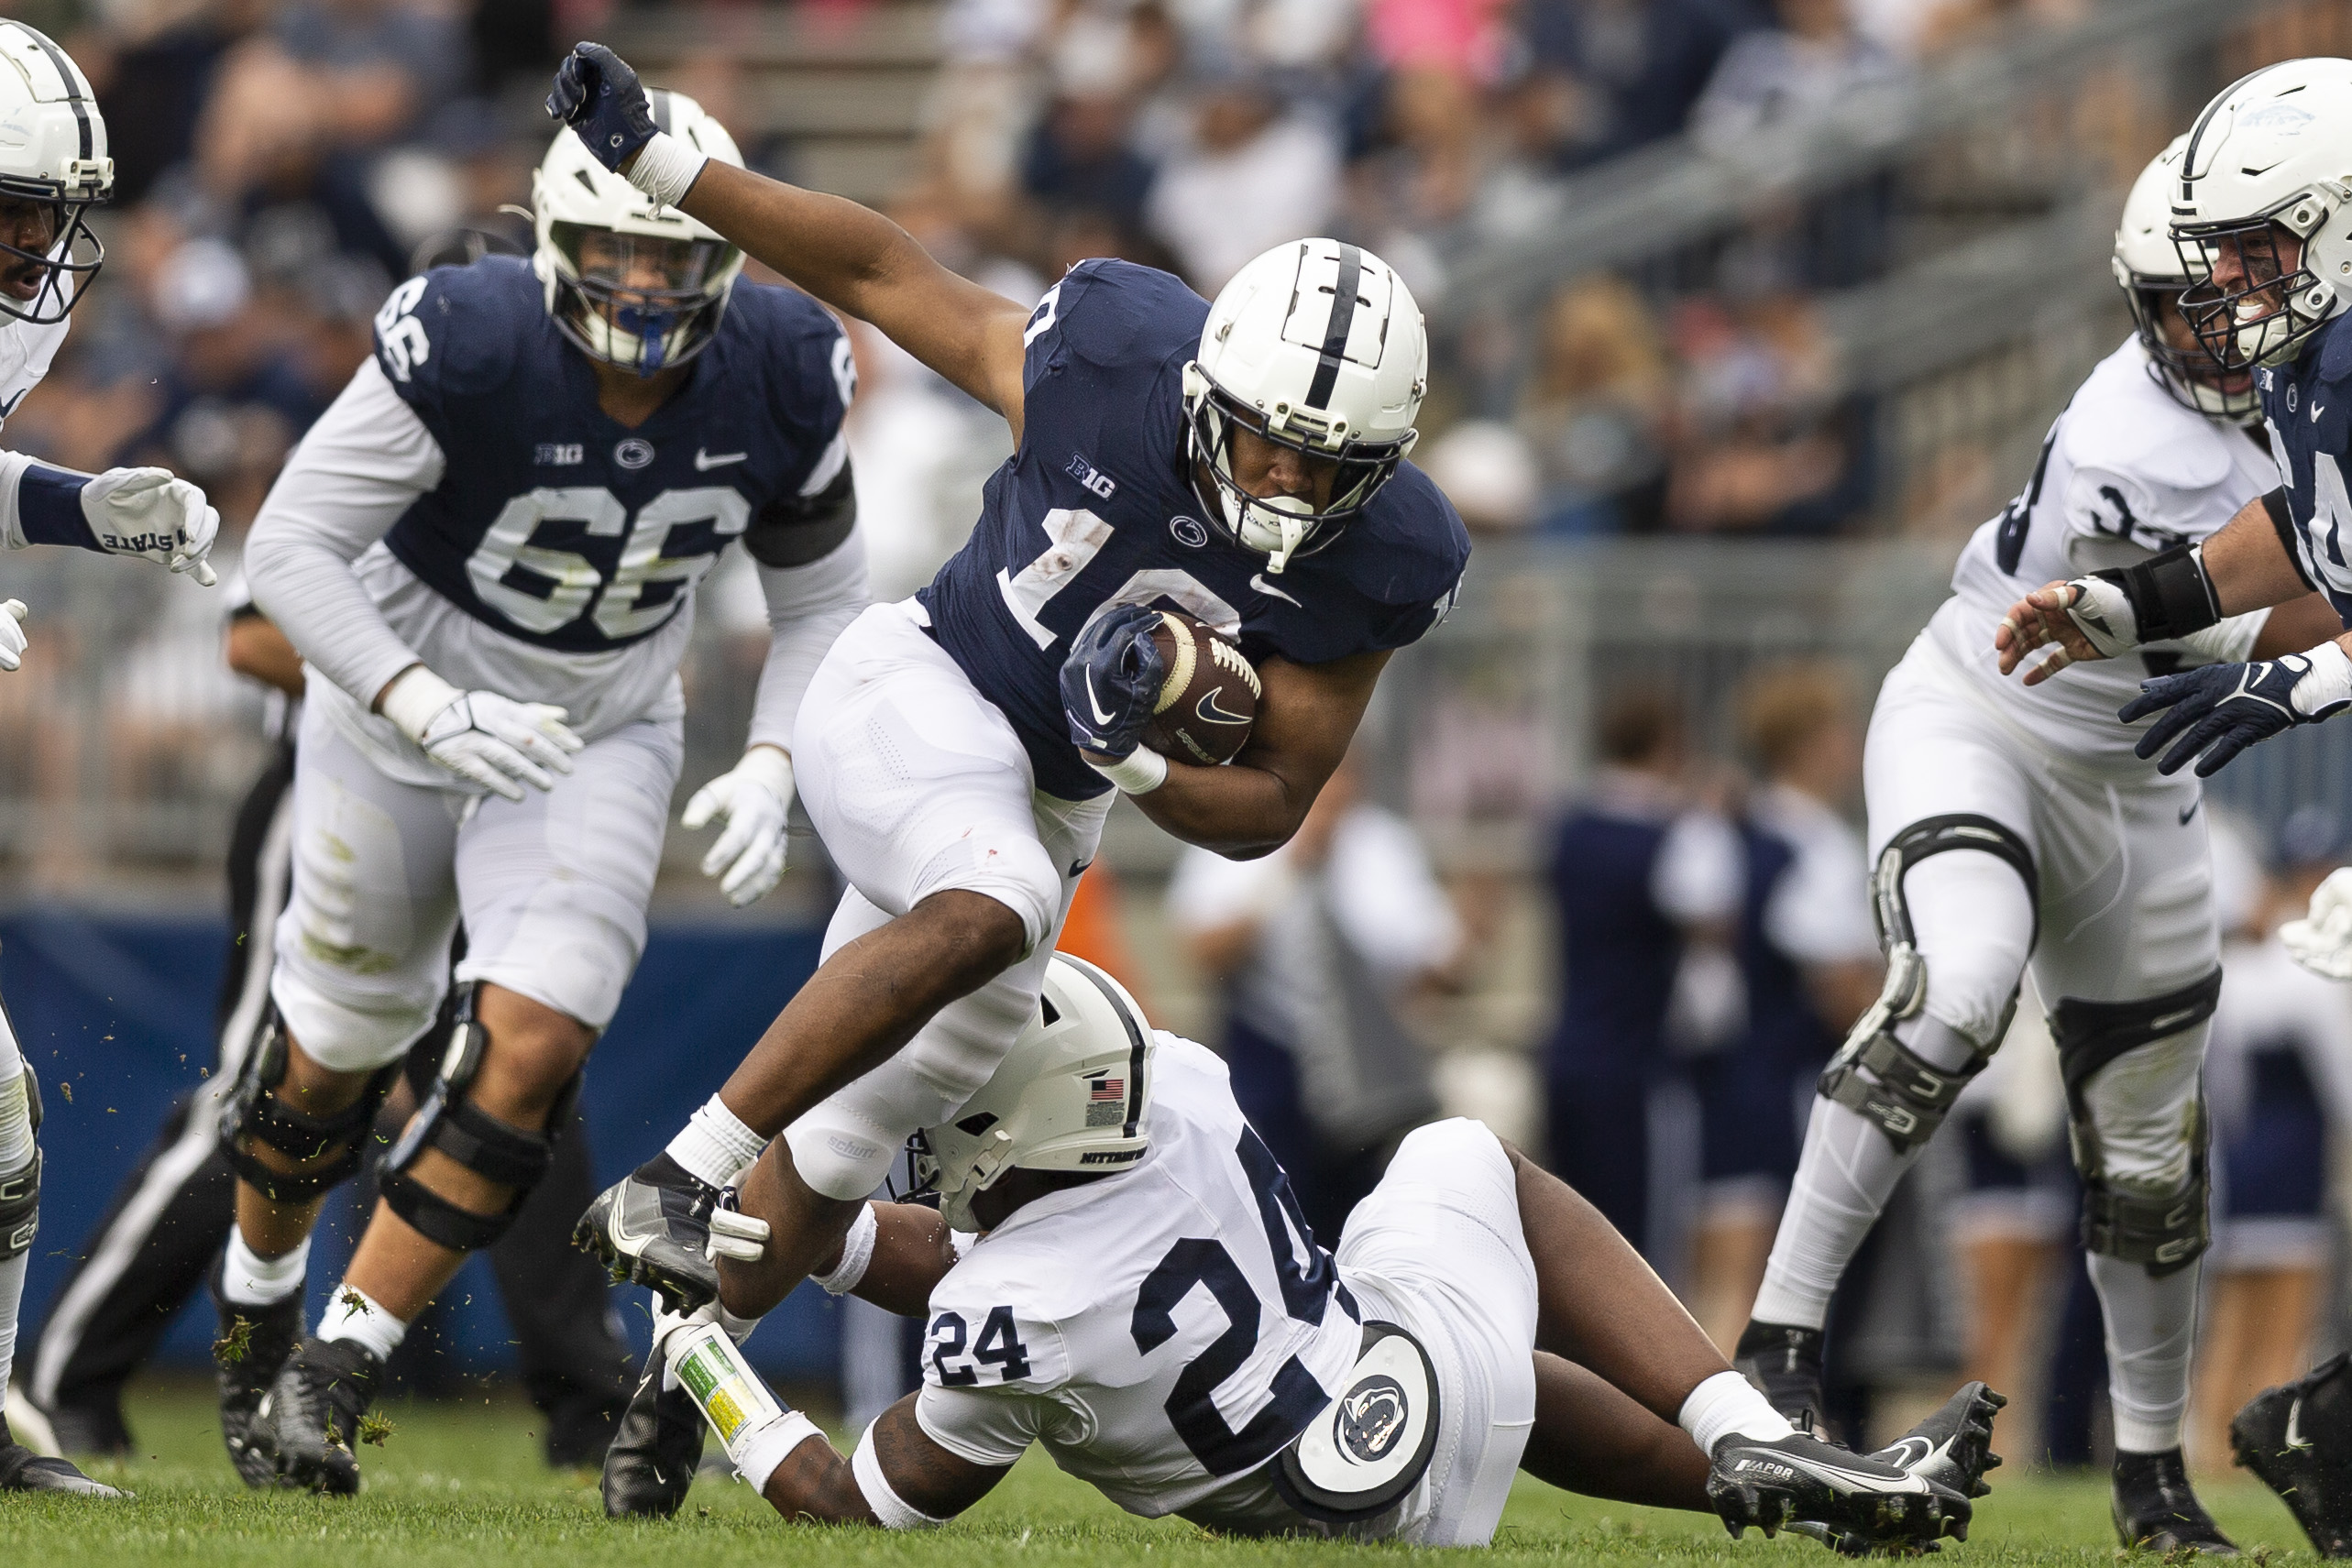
(1953, 1447)
(22, 1470)
(654, 1455)
(2298, 1437)
(310, 1418)
(651, 1228)
(1785, 1364)
(1856, 1502)
(252, 1349)
(2156, 1509)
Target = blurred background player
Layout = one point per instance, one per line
(53, 169)
(521, 489)
(1995, 812)
(1243, 460)
(1319, 946)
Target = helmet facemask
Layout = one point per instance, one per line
(1283, 527)
(46, 239)
(2262, 316)
(2192, 375)
(643, 302)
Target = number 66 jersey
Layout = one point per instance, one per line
(518, 539)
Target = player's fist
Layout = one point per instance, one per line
(598, 96)
(496, 741)
(155, 515)
(755, 799)
(1112, 679)
(12, 633)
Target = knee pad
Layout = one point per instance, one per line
(2164, 1234)
(495, 1150)
(1907, 1095)
(253, 1110)
(20, 1189)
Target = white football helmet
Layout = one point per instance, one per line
(2273, 152)
(53, 157)
(629, 281)
(1071, 1095)
(1318, 346)
(2151, 273)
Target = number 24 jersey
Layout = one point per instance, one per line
(1164, 1333)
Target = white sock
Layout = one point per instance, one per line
(250, 1279)
(352, 1314)
(1728, 1403)
(715, 1146)
(2152, 1326)
(16, 1125)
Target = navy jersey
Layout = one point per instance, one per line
(1098, 509)
(2308, 406)
(1617, 951)
(557, 524)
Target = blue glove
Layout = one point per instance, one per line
(1111, 680)
(2224, 708)
(599, 96)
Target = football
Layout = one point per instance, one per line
(1209, 701)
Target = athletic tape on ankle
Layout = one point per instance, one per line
(857, 1252)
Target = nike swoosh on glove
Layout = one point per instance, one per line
(1111, 680)
(2214, 713)
(755, 800)
(13, 641)
(497, 743)
(155, 515)
(600, 97)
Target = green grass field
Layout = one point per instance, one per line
(462, 1486)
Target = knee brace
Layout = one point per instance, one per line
(1905, 1094)
(492, 1149)
(2164, 1234)
(254, 1111)
(20, 1189)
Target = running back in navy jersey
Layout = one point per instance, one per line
(2308, 406)
(1098, 509)
(557, 524)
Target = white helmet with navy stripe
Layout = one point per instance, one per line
(2148, 268)
(630, 281)
(53, 168)
(1071, 1095)
(1316, 345)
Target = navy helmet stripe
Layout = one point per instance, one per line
(1136, 1043)
(2196, 132)
(1335, 338)
(72, 86)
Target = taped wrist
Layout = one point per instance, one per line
(2170, 594)
(1140, 771)
(857, 1253)
(666, 169)
(894, 1511)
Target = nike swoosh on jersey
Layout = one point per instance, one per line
(2191, 811)
(704, 462)
(10, 406)
(2316, 410)
(1095, 702)
(1259, 582)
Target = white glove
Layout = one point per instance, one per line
(755, 798)
(497, 743)
(12, 633)
(155, 515)
(2322, 940)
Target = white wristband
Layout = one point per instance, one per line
(666, 169)
(893, 1510)
(1142, 770)
(857, 1252)
(415, 699)
(764, 1448)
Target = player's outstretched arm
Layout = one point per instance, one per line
(851, 257)
(1254, 803)
(2247, 566)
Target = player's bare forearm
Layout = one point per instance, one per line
(911, 1254)
(2298, 624)
(860, 263)
(1254, 803)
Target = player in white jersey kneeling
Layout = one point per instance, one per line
(53, 169)
(2012, 824)
(1144, 1299)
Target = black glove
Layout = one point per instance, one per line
(599, 96)
(1111, 681)
(2224, 708)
